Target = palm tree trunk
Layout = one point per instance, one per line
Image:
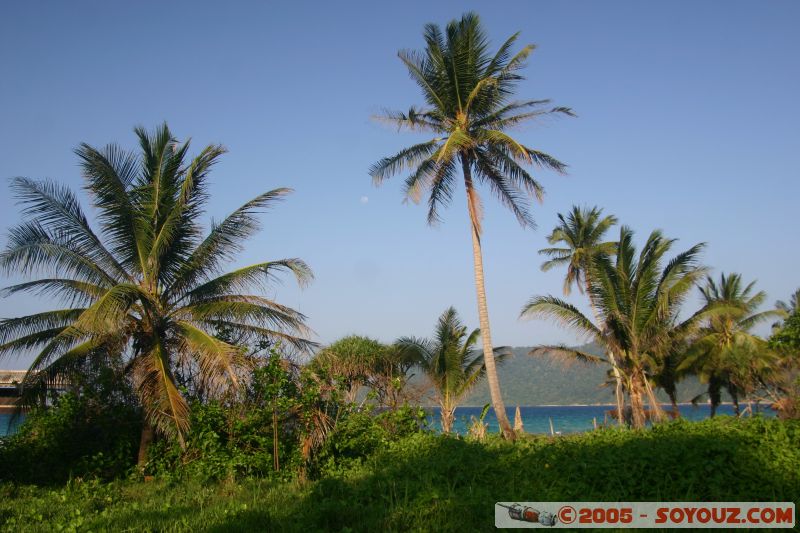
(619, 390)
(447, 416)
(734, 392)
(144, 443)
(483, 311)
(673, 400)
(656, 413)
(619, 395)
(636, 387)
(714, 394)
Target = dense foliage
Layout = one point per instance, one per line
(637, 298)
(438, 483)
(241, 424)
(76, 438)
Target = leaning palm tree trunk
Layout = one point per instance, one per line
(486, 337)
(635, 392)
(483, 312)
(619, 395)
(656, 413)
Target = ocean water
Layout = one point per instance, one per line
(535, 419)
(566, 419)
(8, 424)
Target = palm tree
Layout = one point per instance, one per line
(148, 284)
(638, 302)
(450, 362)
(666, 373)
(724, 353)
(468, 93)
(789, 308)
(582, 234)
(793, 306)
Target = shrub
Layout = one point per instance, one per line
(76, 437)
(360, 434)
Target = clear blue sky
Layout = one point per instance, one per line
(688, 122)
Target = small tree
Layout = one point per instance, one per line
(725, 354)
(450, 362)
(349, 364)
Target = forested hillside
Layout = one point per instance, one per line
(541, 380)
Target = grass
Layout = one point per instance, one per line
(435, 483)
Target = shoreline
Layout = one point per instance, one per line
(514, 406)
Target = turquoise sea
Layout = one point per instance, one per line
(8, 424)
(566, 418)
(536, 419)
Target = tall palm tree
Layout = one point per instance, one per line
(450, 362)
(725, 354)
(149, 284)
(581, 234)
(638, 302)
(468, 92)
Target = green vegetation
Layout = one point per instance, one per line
(146, 294)
(438, 483)
(582, 236)
(638, 302)
(168, 394)
(468, 94)
(725, 353)
(450, 363)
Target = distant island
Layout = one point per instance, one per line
(541, 380)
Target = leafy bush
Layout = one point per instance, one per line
(76, 437)
(445, 483)
(224, 443)
(235, 439)
(360, 434)
(429, 482)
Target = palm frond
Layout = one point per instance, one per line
(11, 328)
(258, 275)
(562, 312)
(224, 240)
(166, 409)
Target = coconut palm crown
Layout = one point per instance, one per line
(581, 234)
(468, 107)
(149, 284)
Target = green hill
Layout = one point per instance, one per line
(542, 380)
